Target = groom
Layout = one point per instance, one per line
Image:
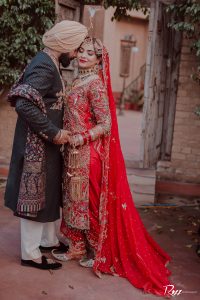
(34, 191)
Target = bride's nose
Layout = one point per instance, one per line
(83, 57)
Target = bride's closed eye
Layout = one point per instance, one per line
(80, 50)
(90, 52)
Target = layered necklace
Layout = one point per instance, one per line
(84, 74)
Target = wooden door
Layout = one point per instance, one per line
(68, 10)
(162, 65)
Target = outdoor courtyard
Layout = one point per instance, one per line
(174, 228)
(154, 53)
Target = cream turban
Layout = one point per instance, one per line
(65, 36)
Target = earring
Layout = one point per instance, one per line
(96, 69)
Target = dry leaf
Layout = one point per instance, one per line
(159, 227)
(71, 287)
(44, 293)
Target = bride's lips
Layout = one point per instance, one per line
(82, 60)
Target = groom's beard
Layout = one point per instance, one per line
(64, 59)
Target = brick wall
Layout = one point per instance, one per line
(185, 159)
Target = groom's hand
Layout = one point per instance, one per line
(62, 137)
(65, 136)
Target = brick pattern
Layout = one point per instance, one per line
(185, 159)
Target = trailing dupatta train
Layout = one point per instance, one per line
(125, 247)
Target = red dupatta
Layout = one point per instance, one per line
(125, 247)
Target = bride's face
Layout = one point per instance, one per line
(86, 56)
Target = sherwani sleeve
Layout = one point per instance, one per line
(100, 109)
(41, 78)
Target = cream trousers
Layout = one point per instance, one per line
(35, 234)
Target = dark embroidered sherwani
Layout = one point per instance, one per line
(42, 75)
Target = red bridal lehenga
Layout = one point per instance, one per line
(100, 209)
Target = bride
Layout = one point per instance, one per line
(100, 221)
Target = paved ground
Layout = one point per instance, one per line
(130, 134)
(175, 229)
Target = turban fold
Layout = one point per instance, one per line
(65, 36)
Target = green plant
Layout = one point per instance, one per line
(186, 18)
(22, 24)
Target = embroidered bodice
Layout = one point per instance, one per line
(87, 110)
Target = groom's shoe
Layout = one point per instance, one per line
(62, 247)
(46, 264)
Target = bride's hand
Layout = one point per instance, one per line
(62, 137)
(71, 140)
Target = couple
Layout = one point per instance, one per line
(99, 219)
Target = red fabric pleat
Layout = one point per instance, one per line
(126, 248)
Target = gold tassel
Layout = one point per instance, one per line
(74, 159)
(75, 185)
(76, 188)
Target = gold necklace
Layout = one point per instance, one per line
(87, 72)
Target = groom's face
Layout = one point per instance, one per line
(65, 58)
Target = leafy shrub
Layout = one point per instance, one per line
(22, 23)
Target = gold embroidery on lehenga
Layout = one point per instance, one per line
(80, 118)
